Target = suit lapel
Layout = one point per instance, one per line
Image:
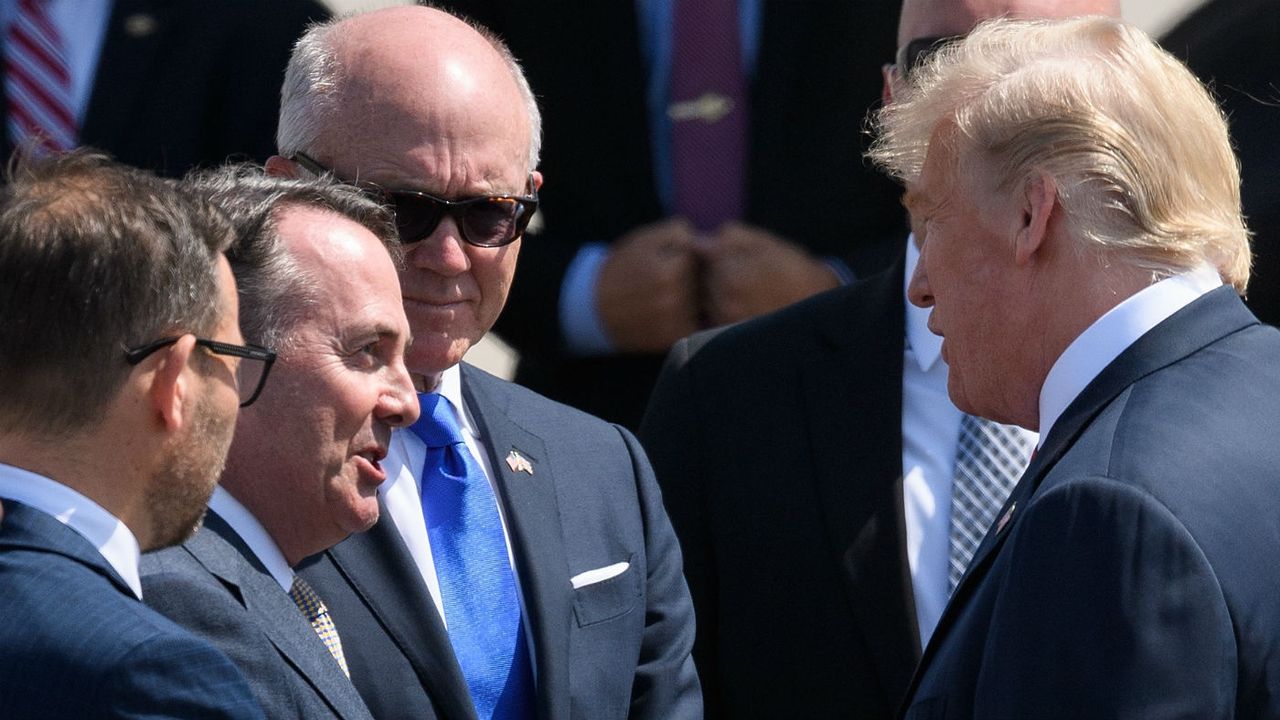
(224, 554)
(533, 523)
(1205, 321)
(27, 528)
(379, 567)
(857, 461)
(134, 32)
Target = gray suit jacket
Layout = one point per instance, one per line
(215, 587)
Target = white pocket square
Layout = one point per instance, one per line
(599, 575)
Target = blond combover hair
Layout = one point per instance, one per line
(1138, 149)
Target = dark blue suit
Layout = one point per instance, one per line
(1136, 573)
(76, 644)
(613, 649)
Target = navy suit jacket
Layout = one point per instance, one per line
(76, 644)
(1132, 572)
(778, 446)
(214, 586)
(185, 83)
(614, 649)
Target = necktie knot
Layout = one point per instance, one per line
(438, 424)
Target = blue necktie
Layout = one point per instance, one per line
(477, 585)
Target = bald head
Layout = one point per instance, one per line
(400, 73)
(942, 18)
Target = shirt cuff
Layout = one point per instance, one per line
(581, 328)
(842, 270)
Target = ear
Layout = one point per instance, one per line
(887, 72)
(282, 167)
(1039, 200)
(171, 394)
(537, 180)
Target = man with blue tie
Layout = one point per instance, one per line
(523, 566)
(119, 357)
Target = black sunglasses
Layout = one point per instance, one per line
(487, 221)
(251, 376)
(915, 52)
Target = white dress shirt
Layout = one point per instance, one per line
(83, 27)
(930, 434)
(1108, 336)
(253, 534)
(104, 531)
(402, 491)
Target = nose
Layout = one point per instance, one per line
(443, 252)
(918, 290)
(398, 404)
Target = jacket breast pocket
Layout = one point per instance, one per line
(608, 599)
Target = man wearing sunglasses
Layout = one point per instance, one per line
(829, 425)
(119, 356)
(524, 565)
(314, 261)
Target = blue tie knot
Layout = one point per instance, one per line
(438, 425)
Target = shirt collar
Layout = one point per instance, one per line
(1121, 326)
(112, 538)
(254, 535)
(925, 347)
(451, 388)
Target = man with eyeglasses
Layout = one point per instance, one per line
(827, 493)
(524, 566)
(119, 356)
(315, 264)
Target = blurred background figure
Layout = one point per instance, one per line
(1231, 44)
(165, 85)
(705, 165)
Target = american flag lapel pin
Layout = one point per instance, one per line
(519, 463)
(1004, 519)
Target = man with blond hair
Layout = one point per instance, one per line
(1082, 252)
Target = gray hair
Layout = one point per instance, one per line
(95, 258)
(275, 291)
(314, 76)
(1137, 147)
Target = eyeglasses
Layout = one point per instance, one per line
(487, 221)
(915, 52)
(251, 376)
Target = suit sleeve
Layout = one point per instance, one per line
(180, 676)
(671, 436)
(666, 682)
(1109, 609)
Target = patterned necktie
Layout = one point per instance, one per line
(312, 607)
(477, 584)
(708, 111)
(37, 81)
(990, 458)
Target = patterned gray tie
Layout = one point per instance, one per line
(990, 458)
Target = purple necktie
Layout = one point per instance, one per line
(708, 111)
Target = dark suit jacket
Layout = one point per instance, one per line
(1135, 575)
(778, 446)
(817, 73)
(214, 586)
(76, 644)
(614, 649)
(182, 83)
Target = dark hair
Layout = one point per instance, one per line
(274, 290)
(95, 257)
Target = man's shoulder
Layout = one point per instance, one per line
(531, 410)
